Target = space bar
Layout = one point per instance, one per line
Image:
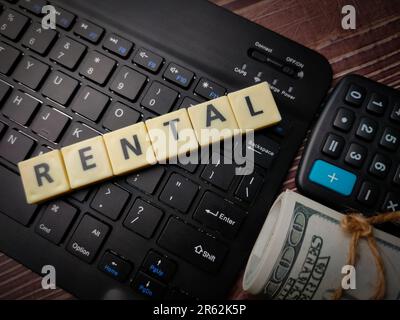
(192, 245)
(12, 198)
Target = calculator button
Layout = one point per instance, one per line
(332, 177)
(333, 146)
(380, 166)
(396, 112)
(344, 119)
(178, 75)
(356, 155)
(392, 202)
(390, 139)
(367, 129)
(368, 194)
(396, 178)
(148, 60)
(355, 95)
(377, 104)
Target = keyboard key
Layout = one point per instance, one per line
(159, 267)
(179, 192)
(344, 120)
(2, 127)
(78, 132)
(377, 104)
(128, 83)
(119, 116)
(64, 19)
(367, 129)
(221, 173)
(90, 103)
(67, 52)
(88, 238)
(88, 31)
(333, 146)
(117, 45)
(395, 115)
(332, 177)
(188, 102)
(12, 24)
(355, 95)
(265, 150)
(4, 90)
(178, 75)
(20, 107)
(97, 67)
(356, 155)
(159, 98)
(110, 200)
(380, 166)
(8, 57)
(81, 195)
(33, 6)
(15, 146)
(148, 287)
(249, 186)
(148, 60)
(192, 245)
(114, 266)
(31, 72)
(218, 214)
(38, 39)
(49, 123)
(209, 90)
(392, 202)
(12, 200)
(55, 221)
(60, 87)
(396, 178)
(41, 150)
(368, 194)
(147, 179)
(143, 218)
(390, 139)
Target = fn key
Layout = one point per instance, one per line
(192, 245)
(88, 238)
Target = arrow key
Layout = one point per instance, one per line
(115, 266)
(159, 266)
(149, 287)
(110, 200)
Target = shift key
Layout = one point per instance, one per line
(192, 245)
(88, 238)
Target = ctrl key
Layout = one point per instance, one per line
(88, 238)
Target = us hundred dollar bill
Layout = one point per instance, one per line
(301, 251)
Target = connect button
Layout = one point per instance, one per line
(332, 177)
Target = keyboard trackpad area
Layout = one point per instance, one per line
(12, 198)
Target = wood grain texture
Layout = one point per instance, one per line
(373, 50)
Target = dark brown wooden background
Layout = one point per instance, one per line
(373, 50)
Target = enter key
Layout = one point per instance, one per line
(219, 214)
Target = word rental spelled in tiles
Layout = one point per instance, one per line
(146, 143)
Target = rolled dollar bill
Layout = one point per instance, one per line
(301, 253)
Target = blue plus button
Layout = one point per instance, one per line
(332, 177)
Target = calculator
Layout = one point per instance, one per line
(352, 159)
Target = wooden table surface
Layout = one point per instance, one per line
(372, 49)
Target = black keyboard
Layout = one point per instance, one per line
(352, 159)
(109, 64)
